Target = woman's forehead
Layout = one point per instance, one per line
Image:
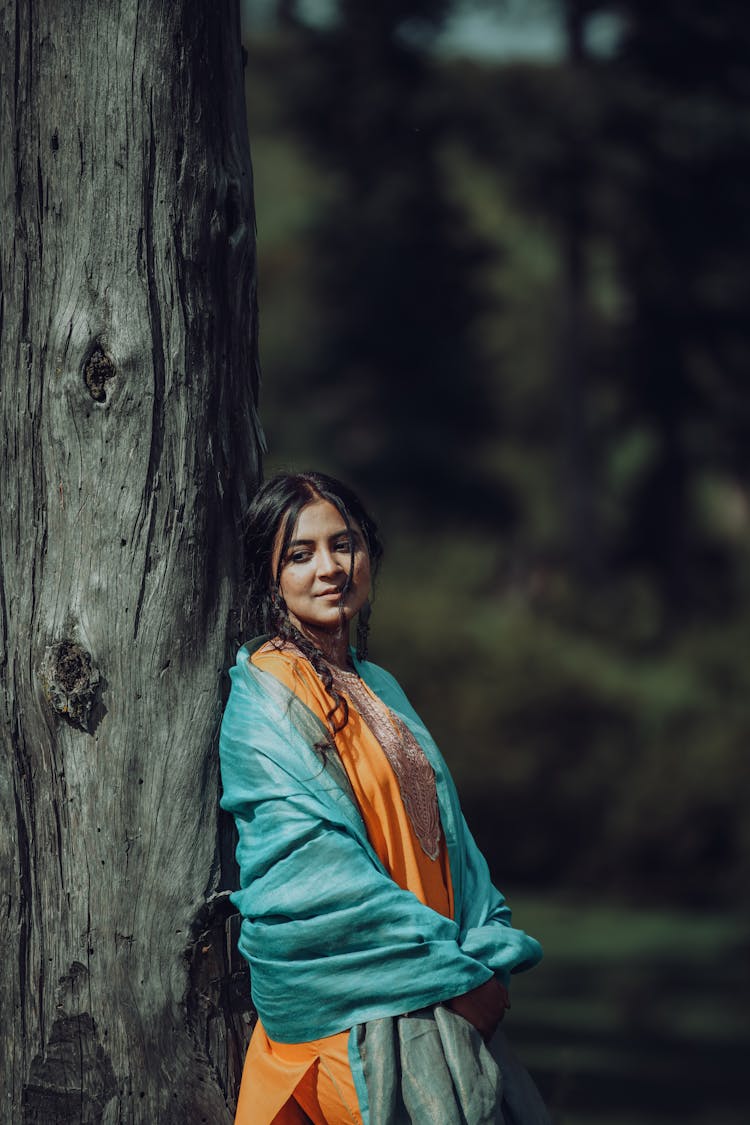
(318, 519)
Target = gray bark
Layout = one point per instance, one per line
(129, 445)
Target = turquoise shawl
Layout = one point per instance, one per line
(331, 940)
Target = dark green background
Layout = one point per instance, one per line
(509, 302)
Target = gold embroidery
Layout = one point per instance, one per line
(415, 776)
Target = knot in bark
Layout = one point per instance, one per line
(98, 368)
(70, 680)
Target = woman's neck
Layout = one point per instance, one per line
(333, 646)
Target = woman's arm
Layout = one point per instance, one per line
(331, 939)
(484, 918)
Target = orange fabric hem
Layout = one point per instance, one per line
(287, 1083)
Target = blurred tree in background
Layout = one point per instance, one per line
(507, 299)
(394, 381)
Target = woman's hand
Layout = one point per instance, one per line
(484, 1007)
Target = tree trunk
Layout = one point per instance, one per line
(129, 446)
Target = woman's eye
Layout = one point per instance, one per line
(344, 545)
(298, 556)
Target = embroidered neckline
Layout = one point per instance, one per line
(414, 774)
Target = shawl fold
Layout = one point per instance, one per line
(432, 1065)
(331, 940)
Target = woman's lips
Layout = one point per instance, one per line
(330, 594)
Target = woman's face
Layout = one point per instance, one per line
(317, 566)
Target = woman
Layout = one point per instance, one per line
(380, 953)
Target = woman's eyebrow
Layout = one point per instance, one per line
(345, 531)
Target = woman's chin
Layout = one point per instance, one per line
(329, 624)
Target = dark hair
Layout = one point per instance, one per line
(275, 509)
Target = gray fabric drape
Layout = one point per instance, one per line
(431, 1067)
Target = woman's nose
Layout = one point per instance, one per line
(329, 563)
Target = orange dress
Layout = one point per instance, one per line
(280, 1078)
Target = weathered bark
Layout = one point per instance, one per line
(129, 444)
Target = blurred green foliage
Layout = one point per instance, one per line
(508, 303)
(635, 1016)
